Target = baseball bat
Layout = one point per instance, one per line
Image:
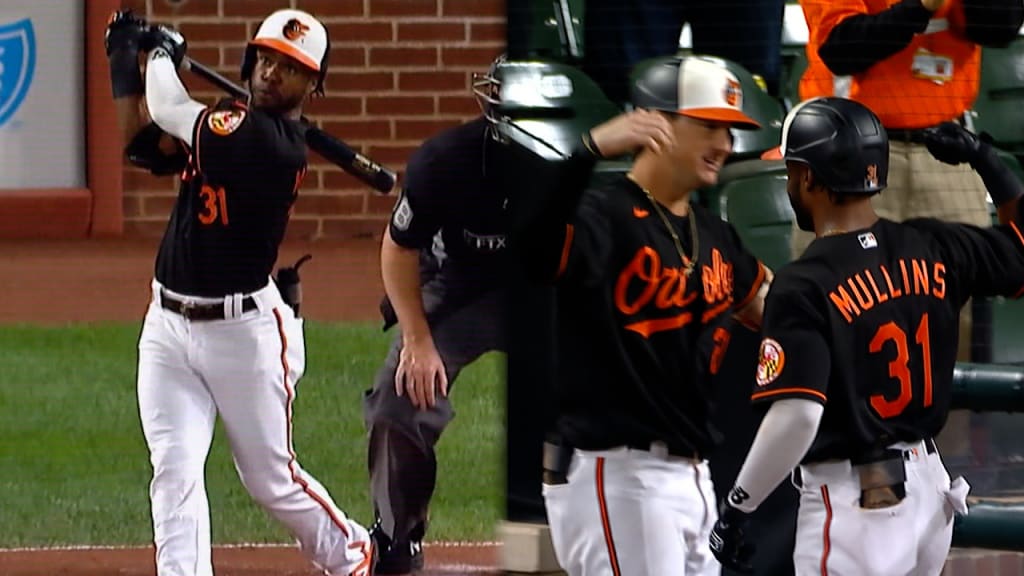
(333, 149)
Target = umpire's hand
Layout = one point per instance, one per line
(728, 539)
(420, 374)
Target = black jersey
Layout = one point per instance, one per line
(866, 323)
(451, 205)
(236, 195)
(630, 320)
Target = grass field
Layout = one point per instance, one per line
(74, 467)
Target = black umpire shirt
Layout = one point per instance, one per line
(628, 318)
(866, 323)
(234, 203)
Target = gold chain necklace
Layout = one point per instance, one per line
(689, 262)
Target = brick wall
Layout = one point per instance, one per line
(400, 71)
(970, 562)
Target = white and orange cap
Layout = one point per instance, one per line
(296, 34)
(694, 86)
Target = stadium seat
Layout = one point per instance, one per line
(754, 200)
(997, 109)
(549, 104)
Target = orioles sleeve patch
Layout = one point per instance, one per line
(224, 122)
(771, 359)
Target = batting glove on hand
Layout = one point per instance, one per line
(169, 40)
(951, 143)
(125, 31)
(728, 539)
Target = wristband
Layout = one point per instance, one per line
(125, 78)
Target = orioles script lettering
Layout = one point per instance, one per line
(664, 287)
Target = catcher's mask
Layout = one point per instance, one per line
(296, 34)
(487, 89)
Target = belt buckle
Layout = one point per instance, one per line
(186, 309)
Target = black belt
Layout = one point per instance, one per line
(914, 136)
(676, 451)
(196, 311)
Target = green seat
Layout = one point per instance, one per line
(997, 109)
(549, 104)
(755, 202)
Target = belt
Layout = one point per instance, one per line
(197, 311)
(660, 448)
(916, 135)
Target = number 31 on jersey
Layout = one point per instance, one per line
(215, 205)
(899, 369)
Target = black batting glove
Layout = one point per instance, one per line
(124, 32)
(123, 39)
(951, 143)
(728, 539)
(167, 39)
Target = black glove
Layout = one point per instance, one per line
(169, 40)
(124, 37)
(290, 285)
(953, 144)
(728, 539)
(124, 32)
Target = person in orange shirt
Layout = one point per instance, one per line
(915, 64)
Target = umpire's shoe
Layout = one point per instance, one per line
(398, 557)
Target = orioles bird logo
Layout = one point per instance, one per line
(293, 29)
(733, 93)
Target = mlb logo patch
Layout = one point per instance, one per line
(867, 240)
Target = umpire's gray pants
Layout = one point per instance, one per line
(402, 462)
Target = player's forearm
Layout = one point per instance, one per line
(400, 271)
(785, 435)
(993, 23)
(859, 42)
(544, 231)
(167, 99)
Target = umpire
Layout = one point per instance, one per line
(443, 263)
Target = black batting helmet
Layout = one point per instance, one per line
(842, 141)
(296, 34)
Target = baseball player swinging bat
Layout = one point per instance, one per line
(376, 176)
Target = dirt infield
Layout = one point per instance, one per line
(60, 282)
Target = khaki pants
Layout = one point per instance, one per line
(921, 186)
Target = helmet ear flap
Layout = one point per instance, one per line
(248, 62)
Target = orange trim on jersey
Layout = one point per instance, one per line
(826, 540)
(197, 136)
(647, 327)
(563, 262)
(290, 395)
(758, 281)
(767, 393)
(605, 523)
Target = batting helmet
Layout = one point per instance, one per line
(293, 33)
(842, 141)
(694, 86)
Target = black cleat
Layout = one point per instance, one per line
(396, 557)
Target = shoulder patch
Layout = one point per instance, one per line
(403, 214)
(224, 122)
(771, 359)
